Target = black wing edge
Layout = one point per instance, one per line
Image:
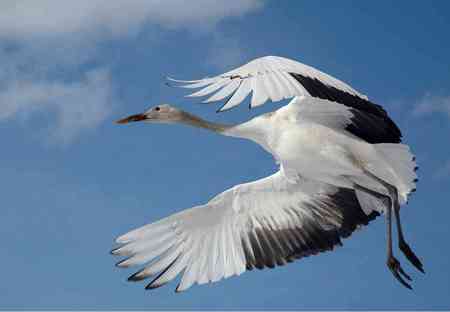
(267, 248)
(370, 122)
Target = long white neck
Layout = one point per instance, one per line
(252, 130)
(195, 121)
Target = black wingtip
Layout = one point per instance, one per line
(177, 290)
(151, 286)
(113, 251)
(220, 110)
(119, 264)
(135, 277)
(154, 284)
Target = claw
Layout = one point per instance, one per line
(395, 268)
(401, 280)
(411, 256)
(404, 273)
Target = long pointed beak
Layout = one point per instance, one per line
(132, 118)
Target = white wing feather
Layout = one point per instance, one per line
(324, 112)
(270, 80)
(214, 241)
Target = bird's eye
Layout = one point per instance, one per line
(157, 108)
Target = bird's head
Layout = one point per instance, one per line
(163, 113)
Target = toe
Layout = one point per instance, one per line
(411, 256)
(397, 271)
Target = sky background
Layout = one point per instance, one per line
(71, 180)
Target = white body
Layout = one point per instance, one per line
(317, 151)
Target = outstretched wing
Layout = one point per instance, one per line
(275, 78)
(270, 78)
(264, 223)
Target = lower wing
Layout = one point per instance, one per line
(260, 224)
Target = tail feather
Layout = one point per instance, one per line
(403, 164)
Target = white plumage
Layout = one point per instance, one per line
(341, 165)
(214, 241)
(269, 78)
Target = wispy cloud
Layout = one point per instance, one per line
(430, 104)
(73, 104)
(50, 18)
(43, 42)
(77, 105)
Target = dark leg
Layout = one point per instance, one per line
(392, 263)
(404, 247)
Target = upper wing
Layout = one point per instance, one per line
(270, 78)
(275, 78)
(260, 224)
(365, 125)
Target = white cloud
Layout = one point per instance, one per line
(41, 42)
(432, 104)
(50, 18)
(78, 105)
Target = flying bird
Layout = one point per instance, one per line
(341, 164)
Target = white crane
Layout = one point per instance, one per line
(341, 165)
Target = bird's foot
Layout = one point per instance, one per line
(411, 256)
(397, 271)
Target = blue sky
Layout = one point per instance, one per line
(72, 180)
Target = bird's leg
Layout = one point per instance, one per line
(392, 263)
(404, 247)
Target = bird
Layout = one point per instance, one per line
(341, 163)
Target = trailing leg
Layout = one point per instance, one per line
(404, 247)
(392, 263)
